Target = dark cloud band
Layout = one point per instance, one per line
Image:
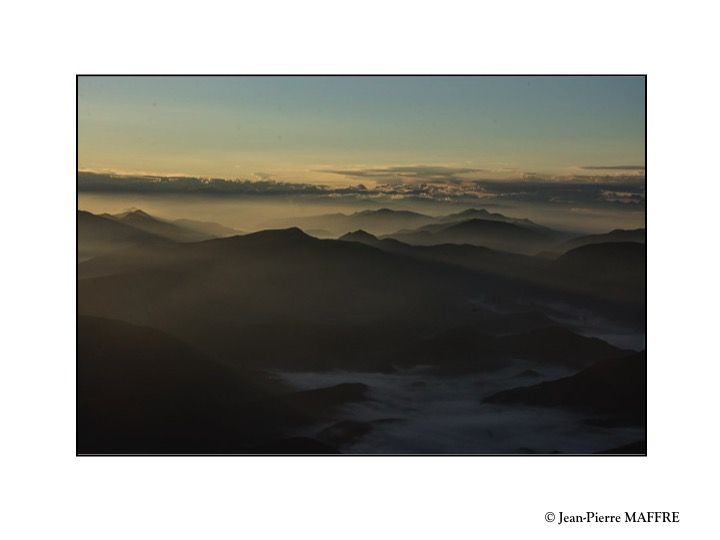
(613, 167)
(589, 190)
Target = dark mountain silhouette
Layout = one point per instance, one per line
(602, 283)
(143, 391)
(98, 235)
(346, 431)
(171, 231)
(615, 271)
(497, 235)
(481, 213)
(476, 258)
(467, 348)
(611, 257)
(558, 345)
(613, 389)
(617, 235)
(317, 403)
(274, 293)
(361, 236)
(530, 373)
(282, 298)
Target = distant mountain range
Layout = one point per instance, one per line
(481, 213)
(494, 234)
(98, 235)
(104, 233)
(474, 226)
(386, 220)
(165, 229)
(379, 221)
(613, 271)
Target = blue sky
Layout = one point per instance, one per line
(321, 129)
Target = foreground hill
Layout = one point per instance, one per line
(613, 389)
(142, 391)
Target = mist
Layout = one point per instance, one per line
(253, 213)
(415, 412)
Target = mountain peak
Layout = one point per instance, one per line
(388, 212)
(134, 213)
(292, 233)
(358, 236)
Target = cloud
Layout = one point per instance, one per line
(412, 173)
(112, 183)
(440, 184)
(613, 167)
(575, 190)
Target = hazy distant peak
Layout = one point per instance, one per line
(482, 213)
(291, 233)
(358, 236)
(387, 212)
(481, 223)
(134, 212)
(614, 236)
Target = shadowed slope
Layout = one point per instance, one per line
(143, 391)
(618, 235)
(171, 231)
(98, 235)
(223, 295)
(493, 234)
(614, 388)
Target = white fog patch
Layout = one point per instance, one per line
(414, 412)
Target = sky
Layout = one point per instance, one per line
(341, 131)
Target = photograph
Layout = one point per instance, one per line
(367, 265)
(280, 270)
